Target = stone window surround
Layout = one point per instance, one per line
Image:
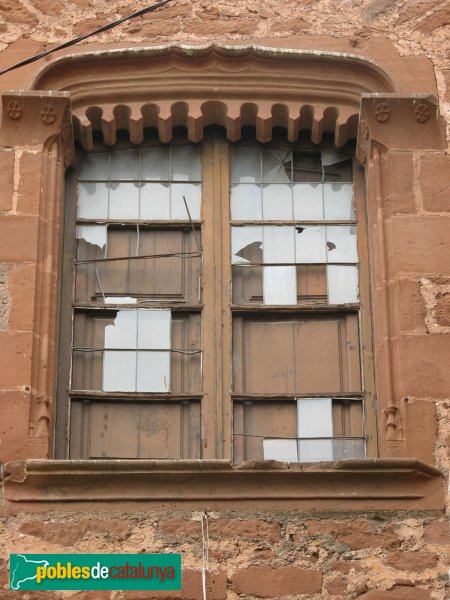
(230, 86)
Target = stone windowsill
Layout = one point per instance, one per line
(373, 484)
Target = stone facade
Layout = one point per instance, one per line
(257, 551)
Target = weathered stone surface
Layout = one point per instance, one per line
(265, 582)
(442, 310)
(337, 587)
(216, 588)
(21, 282)
(19, 238)
(411, 561)
(29, 192)
(398, 183)
(15, 366)
(413, 9)
(6, 179)
(355, 534)
(224, 528)
(345, 566)
(435, 182)
(48, 7)
(437, 532)
(88, 25)
(376, 8)
(13, 12)
(13, 424)
(421, 429)
(439, 18)
(407, 306)
(398, 593)
(92, 595)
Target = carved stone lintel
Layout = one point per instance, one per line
(30, 118)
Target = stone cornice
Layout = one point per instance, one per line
(388, 484)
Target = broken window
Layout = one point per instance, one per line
(297, 379)
(215, 307)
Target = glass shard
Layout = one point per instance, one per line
(310, 245)
(242, 238)
(155, 201)
(279, 244)
(342, 281)
(245, 164)
(93, 234)
(277, 202)
(123, 334)
(276, 165)
(246, 203)
(308, 202)
(280, 285)
(123, 201)
(279, 449)
(341, 244)
(338, 201)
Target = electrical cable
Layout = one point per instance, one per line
(80, 38)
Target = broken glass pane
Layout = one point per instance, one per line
(119, 371)
(279, 449)
(279, 244)
(155, 201)
(243, 240)
(123, 201)
(280, 285)
(246, 204)
(155, 163)
(277, 202)
(186, 164)
(245, 164)
(95, 166)
(153, 329)
(308, 202)
(153, 371)
(192, 193)
(276, 165)
(125, 165)
(310, 245)
(331, 158)
(315, 420)
(338, 201)
(341, 244)
(92, 201)
(93, 234)
(342, 281)
(123, 334)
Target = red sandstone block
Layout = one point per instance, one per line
(21, 281)
(337, 587)
(437, 532)
(29, 191)
(266, 582)
(216, 588)
(434, 177)
(18, 237)
(398, 593)
(398, 183)
(411, 561)
(14, 408)
(224, 528)
(407, 306)
(355, 534)
(418, 245)
(15, 365)
(6, 179)
(421, 429)
(421, 365)
(345, 566)
(92, 595)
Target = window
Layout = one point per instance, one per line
(215, 308)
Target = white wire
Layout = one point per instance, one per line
(205, 551)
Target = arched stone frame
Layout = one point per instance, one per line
(233, 87)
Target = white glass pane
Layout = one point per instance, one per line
(246, 203)
(338, 201)
(315, 450)
(155, 201)
(155, 163)
(125, 165)
(186, 164)
(277, 202)
(92, 201)
(95, 166)
(153, 371)
(348, 449)
(245, 164)
(341, 244)
(279, 244)
(241, 239)
(276, 165)
(308, 202)
(310, 246)
(192, 193)
(123, 334)
(123, 201)
(119, 371)
(279, 449)
(93, 234)
(314, 419)
(280, 285)
(342, 283)
(153, 327)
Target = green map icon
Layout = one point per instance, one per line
(23, 569)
